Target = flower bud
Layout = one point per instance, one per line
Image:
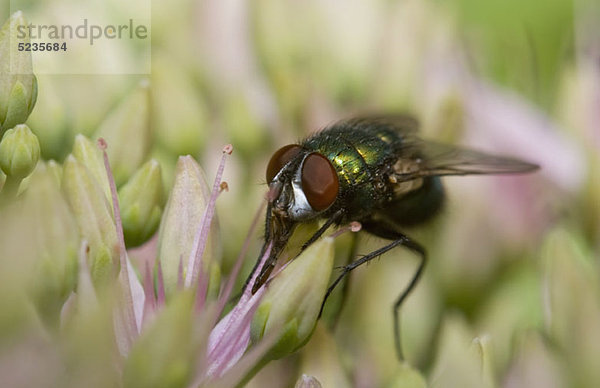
(93, 215)
(19, 152)
(18, 85)
(181, 220)
(127, 133)
(55, 235)
(293, 299)
(140, 201)
(88, 154)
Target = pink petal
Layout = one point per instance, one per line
(230, 337)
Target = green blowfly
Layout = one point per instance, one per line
(374, 170)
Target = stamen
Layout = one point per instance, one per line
(263, 260)
(278, 269)
(202, 235)
(202, 289)
(228, 149)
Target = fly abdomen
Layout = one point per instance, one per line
(418, 206)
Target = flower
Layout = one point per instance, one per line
(94, 218)
(140, 199)
(180, 223)
(143, 317)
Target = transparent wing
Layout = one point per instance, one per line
(423, 158)
(404, 124)
(419, 158)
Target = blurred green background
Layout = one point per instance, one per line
(511, 295)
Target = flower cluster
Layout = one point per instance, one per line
(158, 308)
(120, 266)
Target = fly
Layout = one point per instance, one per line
(373, 170)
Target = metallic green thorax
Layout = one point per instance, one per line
(363, 156)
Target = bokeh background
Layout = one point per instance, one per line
(511, 294)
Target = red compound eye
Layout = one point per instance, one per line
(280, 158)
(319, 181)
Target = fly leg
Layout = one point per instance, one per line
(333, 219)
(337, 216)
(388, 232)
(332, 316)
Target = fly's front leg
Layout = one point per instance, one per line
(333, 219)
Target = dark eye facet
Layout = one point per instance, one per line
(320, 182)
(280, 158)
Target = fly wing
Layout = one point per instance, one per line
(404, 124)
(423, 158)
(418, 158)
